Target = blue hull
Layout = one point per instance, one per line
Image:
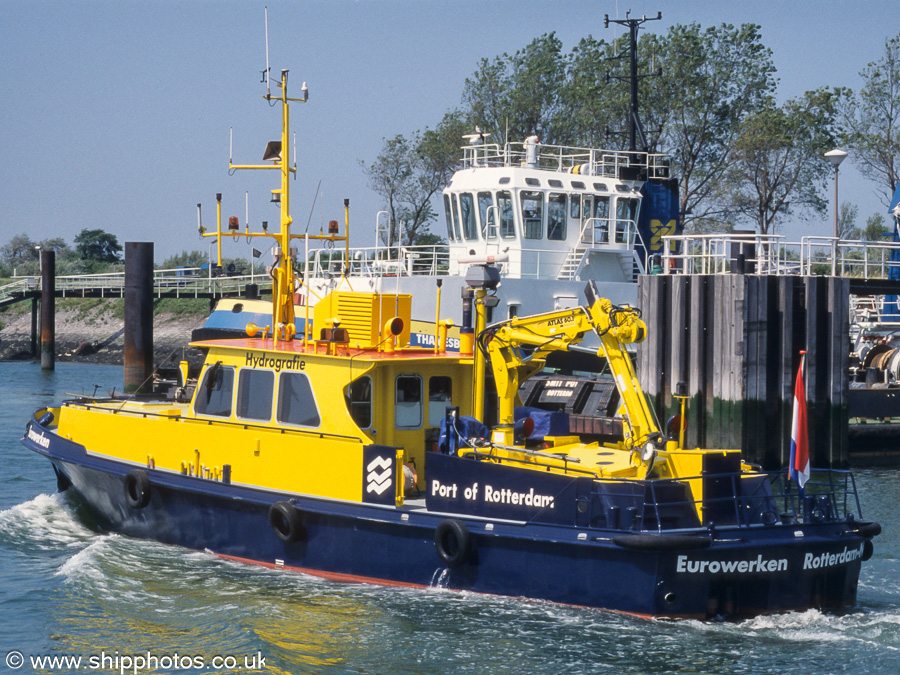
(740, 574)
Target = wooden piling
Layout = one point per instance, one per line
(138, 316)
(48, 310)
(34, 327)
(735, 341)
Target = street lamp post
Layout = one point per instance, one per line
(835, 156)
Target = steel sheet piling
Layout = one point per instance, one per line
(735, 339)
(138, 316)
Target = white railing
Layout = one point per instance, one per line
(18, 286)
(868, 309)
(164, 282)
(773, 254)
(381, 261)
(596, 232)
(588, 161)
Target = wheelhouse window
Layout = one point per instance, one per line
(296, 403)
(575, 207)
(487, 214)
(454, 209)
(507, 222)
(440, 390)
(626, 217)
(408, 402)
(556, 217)
(532, 213)
(448, 214)
(255, 390)
(216, 391)
(601, 215)
(359, 401)
(467, 216)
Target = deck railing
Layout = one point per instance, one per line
(583, 161)
(762, 498)
(774, 254)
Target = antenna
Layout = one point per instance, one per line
(295, 153)
(266, 73)
(311, 209)
(230, 145)
(635, 128)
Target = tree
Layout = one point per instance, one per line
(20, 249)
(519, 92)
(186, 259)
(712, 81)
(409, 173)
(777, 165)
(847, 221)
(98, 246)
(876, 229)
(873, 121)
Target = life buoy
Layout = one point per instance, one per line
(661, 542)
(286, 522)
(453, 542)
(137, 488)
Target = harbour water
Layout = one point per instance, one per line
(70, 592)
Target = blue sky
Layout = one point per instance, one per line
(116, 115)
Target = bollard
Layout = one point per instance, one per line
(48, 310)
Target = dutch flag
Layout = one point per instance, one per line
(799, 468)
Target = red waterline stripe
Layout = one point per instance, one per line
(354, 578)
(335, 576)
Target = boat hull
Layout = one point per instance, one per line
(767, 570)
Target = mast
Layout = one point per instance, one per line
(283, 272)
(635, 127)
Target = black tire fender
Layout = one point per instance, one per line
(453, 542)
(661, 542)
(868, 549)
(868, 530)
(137, 488)
(286, 522)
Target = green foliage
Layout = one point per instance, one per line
(712, 80)
(182, 307)
(872, 119)
(408, 173)
(185, 259)
(97, 246)
(520, 92)
(21, 254)
(777, 166)
(876, 228)
(847, 214)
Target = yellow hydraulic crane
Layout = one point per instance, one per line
(518, 348)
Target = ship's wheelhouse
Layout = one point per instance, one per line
(539, 220)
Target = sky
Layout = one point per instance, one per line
(117, 114)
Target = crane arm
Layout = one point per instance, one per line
(518, 348)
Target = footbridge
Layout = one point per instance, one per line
(180, 283)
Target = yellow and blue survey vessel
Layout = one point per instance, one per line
(325, 444)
